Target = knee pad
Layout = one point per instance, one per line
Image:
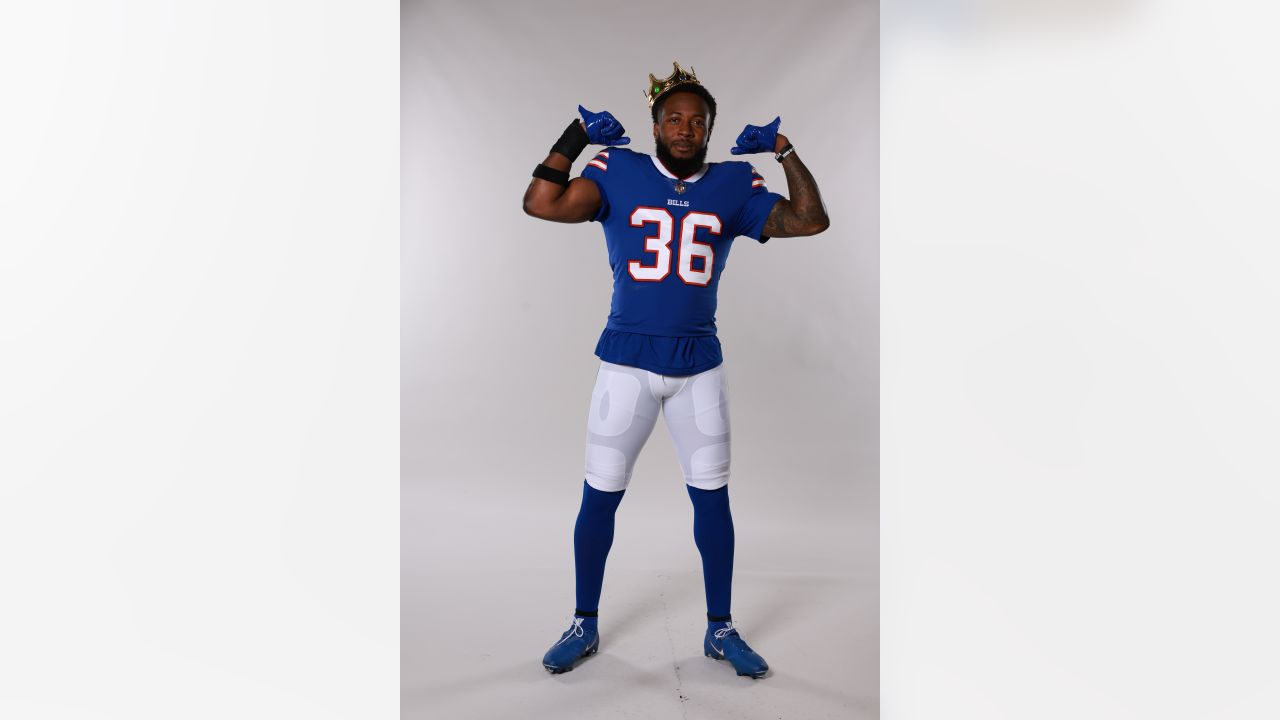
(607, 468)
(709, 467)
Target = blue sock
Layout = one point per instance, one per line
(713, 533)
(592, 538)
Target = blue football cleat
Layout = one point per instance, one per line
(727, 644)
(577, 642)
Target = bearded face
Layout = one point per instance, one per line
(681, 166)
(681, 133)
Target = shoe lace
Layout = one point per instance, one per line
(723, 632)
(574, 631)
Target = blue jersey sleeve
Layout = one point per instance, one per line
(756, 208)
(597, 171)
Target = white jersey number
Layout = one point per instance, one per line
(660, 245)
(657, 244)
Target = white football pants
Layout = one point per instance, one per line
(624, 409)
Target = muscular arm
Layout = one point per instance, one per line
(579, 202)
(802, 214)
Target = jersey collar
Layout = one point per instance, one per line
(663, 169)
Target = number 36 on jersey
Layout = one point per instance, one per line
(688, 247)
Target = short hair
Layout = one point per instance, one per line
(689, 88)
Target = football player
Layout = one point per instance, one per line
(669, 221)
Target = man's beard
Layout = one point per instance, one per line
(679, 167)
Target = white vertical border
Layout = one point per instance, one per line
(1080, 398)
(199, 376)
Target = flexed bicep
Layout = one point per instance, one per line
(551, 195)
(804, 212)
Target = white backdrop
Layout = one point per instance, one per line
(501, 312)
(199, 466)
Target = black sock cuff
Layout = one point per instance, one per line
(713, 618)
(584, 613)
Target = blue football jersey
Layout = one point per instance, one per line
(667, 250)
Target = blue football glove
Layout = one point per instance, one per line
(603, 128)
(757, 138)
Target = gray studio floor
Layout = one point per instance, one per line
(488, 586)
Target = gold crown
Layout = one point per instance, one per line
(678, 77)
